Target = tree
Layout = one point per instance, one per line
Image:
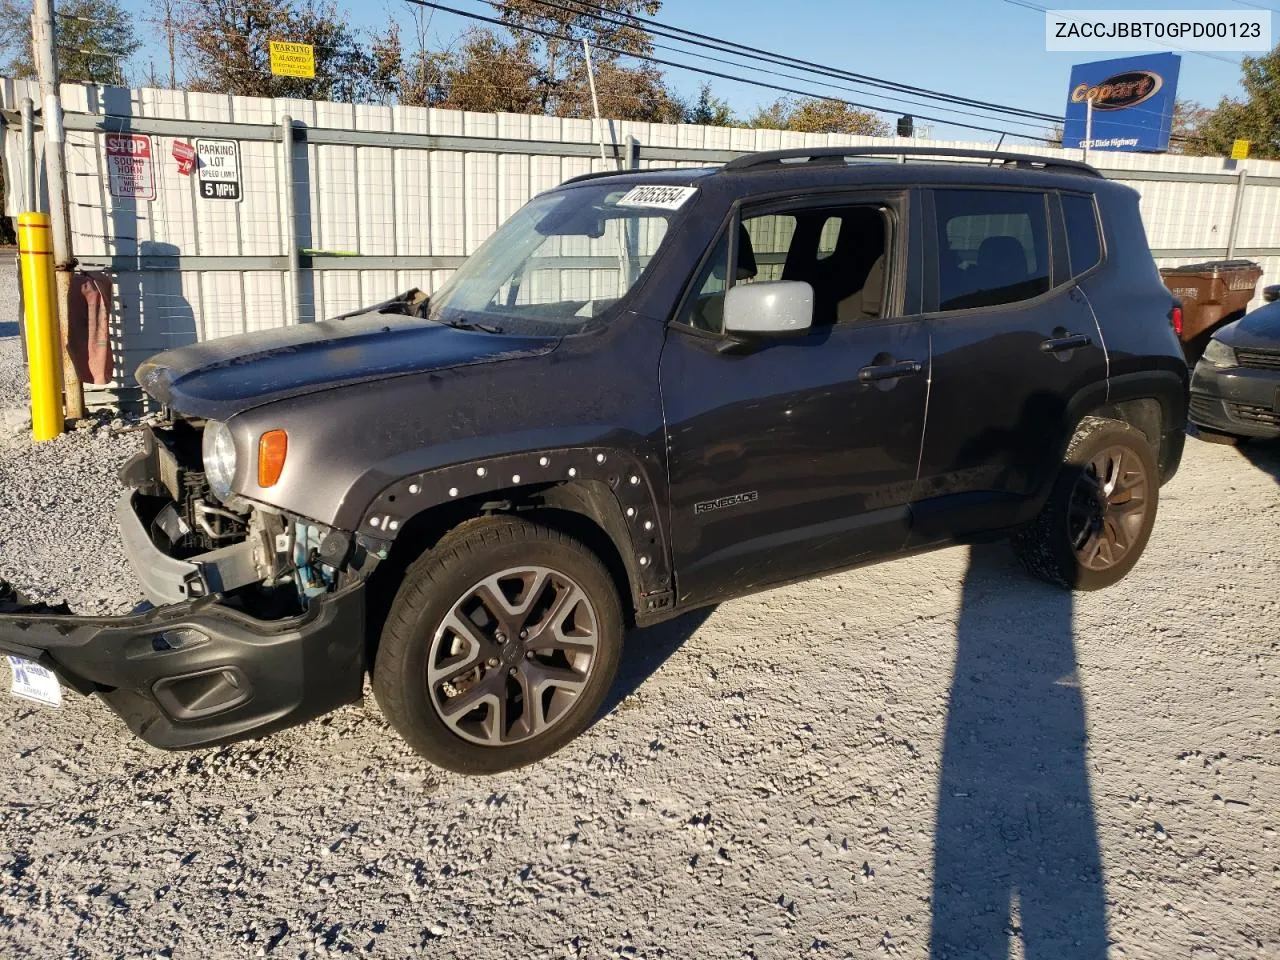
(226, 45)
(557, 49)
(1256, 118)
(710, 111)
(489, 73)
(819, 116)
(520, 71)
(1184, 132)
(95, 38)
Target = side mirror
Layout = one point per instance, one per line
(1272, 293)
(771, 308)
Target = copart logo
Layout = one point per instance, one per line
(1120, 91)
(733, 500)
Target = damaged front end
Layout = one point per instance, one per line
(258, 620)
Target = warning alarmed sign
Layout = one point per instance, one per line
(293, 59)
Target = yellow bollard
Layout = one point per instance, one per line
(44, 352)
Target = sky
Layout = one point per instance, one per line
(986, 49)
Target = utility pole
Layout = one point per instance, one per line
(44, 47)
(595, 102)
(1088, 127)
(168, 33)
(624, 247)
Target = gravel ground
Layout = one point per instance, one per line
(935, 750)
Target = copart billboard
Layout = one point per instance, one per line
(1132, 102)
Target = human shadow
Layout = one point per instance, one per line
(648, 649)
(1016, 850)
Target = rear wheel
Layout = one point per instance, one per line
(500, 647)
(1097, 520)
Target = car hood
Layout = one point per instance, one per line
(220, 378)
(1259, 330)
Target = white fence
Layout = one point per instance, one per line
(387, 198)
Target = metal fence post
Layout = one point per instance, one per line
(29, 199)
(1242, 180)
(291, 217)
(633, 153)
(44, 47)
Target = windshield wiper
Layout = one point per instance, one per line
(468, 325)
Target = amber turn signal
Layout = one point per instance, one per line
(272, 447)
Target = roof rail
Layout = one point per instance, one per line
(596, 174)
(1025, 161)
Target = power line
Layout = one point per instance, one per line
(715, 73)
(666, 30)
(913, 104)
(727, 46)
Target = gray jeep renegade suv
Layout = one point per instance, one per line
(647, 392)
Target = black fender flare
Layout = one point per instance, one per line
(1167, 387)
(619, 491)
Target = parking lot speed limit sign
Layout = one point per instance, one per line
(218, 169)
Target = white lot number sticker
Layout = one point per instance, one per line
(218, 169)
(664, 198)
(34, 682)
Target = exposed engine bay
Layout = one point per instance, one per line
(262, 560)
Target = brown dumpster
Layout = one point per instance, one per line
(1212, 293)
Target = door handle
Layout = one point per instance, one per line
(1060, 344)
(889, 371)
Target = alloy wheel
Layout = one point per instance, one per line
(511, 656)
(1108, 507)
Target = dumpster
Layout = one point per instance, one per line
(1212, 293)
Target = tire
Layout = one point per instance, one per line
(1062, 544)
(453, 638)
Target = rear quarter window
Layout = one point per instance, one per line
(1084, 245)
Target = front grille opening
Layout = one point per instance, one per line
(1247, 413)
(1258, 359)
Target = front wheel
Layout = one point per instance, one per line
(500, 646)
(1097, 520)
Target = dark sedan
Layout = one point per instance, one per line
(1236, 386)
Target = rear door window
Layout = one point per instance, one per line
(993, 247)
(1084, 246)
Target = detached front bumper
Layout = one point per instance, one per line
(197, 670)
(200, 673)
(1242, 401)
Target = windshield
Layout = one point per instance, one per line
(564, 261)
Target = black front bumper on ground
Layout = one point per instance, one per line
(200, 673)
(1242, 401)
(197, 672)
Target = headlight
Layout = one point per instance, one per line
(219, 458)
(1218, 354)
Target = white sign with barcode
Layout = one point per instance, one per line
(34, 682)
(655, 195)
